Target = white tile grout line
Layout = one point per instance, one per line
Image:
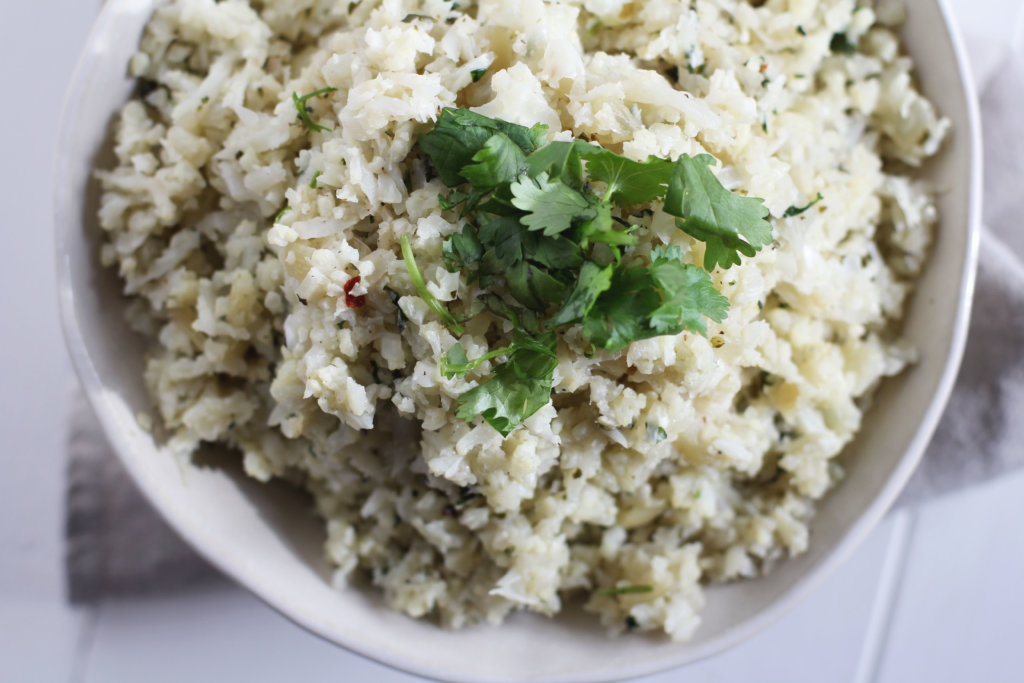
(890, 581)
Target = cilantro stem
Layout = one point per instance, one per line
(627, 590)
(300, 107)
(463, 368)
(797, 210)
(421, 288)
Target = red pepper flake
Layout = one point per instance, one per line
(354, 301)
(764, 67)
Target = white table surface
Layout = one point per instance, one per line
(933, 595)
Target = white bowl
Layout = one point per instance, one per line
(266, 538)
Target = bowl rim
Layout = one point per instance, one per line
(67, 220)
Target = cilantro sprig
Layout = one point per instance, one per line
(547, 235)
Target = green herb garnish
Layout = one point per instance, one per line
(656, 433)
(841, 43)
(421, 289)
(477, 74)
(730, 225)
(627, 590)
(797, 210)
(314, 182)
(305, 110)
(552, 252)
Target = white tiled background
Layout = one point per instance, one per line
(935, 594)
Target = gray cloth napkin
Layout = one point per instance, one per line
(117, 545)
(981, 434)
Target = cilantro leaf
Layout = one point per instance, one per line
(453, 199)
(560, 160)
(459, 134)
(594, 280)
(629, 182)
(499, 161)
(729, 224)
(505, 241)
(461, 249)
(549, 206)
(688, 294)
(533, 287)
(517, 389)
(557, 253)
(601, 229)
(638, 303)
(621, 313)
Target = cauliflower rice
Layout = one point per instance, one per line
(678, 461)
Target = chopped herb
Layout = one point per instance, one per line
(549, 223)
(316, 177)
(627, 590)
(304, 110)
(477, 74)
(656, 433)
(841, 43)
(800, 30)
(412, 17)
(797, 210)
(281, 213)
